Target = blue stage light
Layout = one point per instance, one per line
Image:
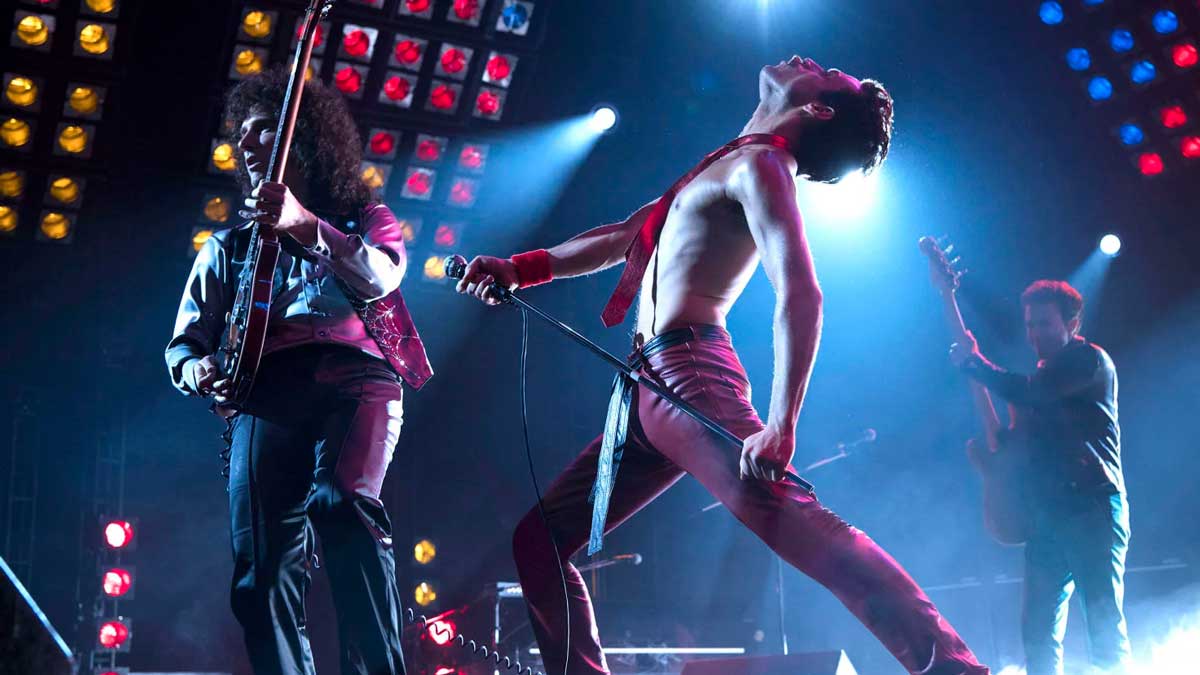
(1131, 134)
(1079, 59)
(1142, 72)
(1121, 40)
(1110, 245)
(1100, 88)
(515, 17)
(1166, 22)
(1051, 13)
(1093, 3)
(603, 118)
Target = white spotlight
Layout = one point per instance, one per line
(604, 118)
(1110, 245)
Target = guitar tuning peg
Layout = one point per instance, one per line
(943, 239)
(963, 272)
(949, 249)
(957, 259)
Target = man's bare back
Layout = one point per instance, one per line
(706, 253)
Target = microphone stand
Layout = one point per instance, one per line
(455, 267)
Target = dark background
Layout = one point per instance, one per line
(996, 145)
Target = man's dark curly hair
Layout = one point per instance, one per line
(1058, 293)
(857, 138)
(326, 146)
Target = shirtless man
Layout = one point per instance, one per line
(737, 209)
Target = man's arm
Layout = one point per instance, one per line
(1065, 375)
(372, 264)
(200, 319)
(592, 251)
(767, 193)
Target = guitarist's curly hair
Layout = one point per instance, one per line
(326, 145)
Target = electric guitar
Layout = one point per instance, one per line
(246, 324)
(1002, 462)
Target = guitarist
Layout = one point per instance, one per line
(311, 444)
(1079, 513)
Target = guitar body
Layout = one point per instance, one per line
(1003, 473)
(247, 326)
(1002, 460)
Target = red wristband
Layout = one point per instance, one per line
(533, 268)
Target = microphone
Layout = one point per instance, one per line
(633, 558)
(865, 436)
(455, 266)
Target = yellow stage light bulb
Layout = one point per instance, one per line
(84, 100)
(93, 39)
(21, 91)
(8, 218)
(64, 190)
(15, 133)
(257, 24)
(33, 31)
(73, 139)
(55, 225)
(12, 184)
(223, 157)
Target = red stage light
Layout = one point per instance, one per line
(447, 670)
(117, 582)
(446, 237)
(382, 143)
(396, 88)
(462, 192)
(1173, 116)
(348, 80)
(1150, 163)
(318, 36)
(466, 9)
(113, 634)
(488, 103)
(408, 51)
(442, 631)
(417, 6)
(429, 150)
(1184, 55)
(357, 43)
(118, 533)
(419, 183)
(442, 97)
(471, 157)
(454, 60)
(1190, 147)
(499, 68)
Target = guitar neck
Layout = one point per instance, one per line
(979, 394)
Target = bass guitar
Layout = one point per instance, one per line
(1001, 460)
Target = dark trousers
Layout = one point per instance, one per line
(1078, 549)
(662, 446)
(310, 450)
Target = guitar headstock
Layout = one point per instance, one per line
(943, 270)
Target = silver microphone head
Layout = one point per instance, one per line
(455, 266)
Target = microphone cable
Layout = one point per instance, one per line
(533, 476)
